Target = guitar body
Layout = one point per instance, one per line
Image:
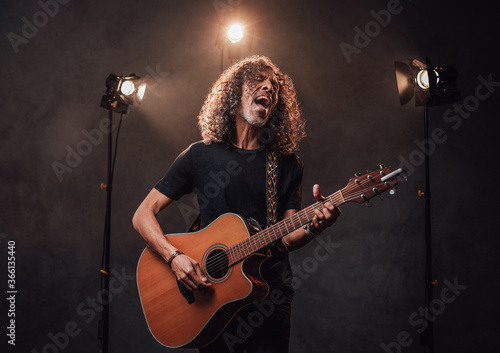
(194, 319)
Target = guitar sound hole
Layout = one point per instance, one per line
(217, 264)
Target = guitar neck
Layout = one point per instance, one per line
(278, 230)
(360, 189)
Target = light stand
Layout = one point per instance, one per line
(427, 337)
(431, 86)
(121, 91)
(103, 330)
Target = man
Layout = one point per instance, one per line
(251, 110)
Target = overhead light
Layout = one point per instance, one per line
(234, 36)
(122, 91)
(235, 33)
(429, 87)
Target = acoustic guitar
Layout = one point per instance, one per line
(227, 251)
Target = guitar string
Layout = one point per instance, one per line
(219, 261)
(253, 243)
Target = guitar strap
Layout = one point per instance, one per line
(271, 192)
(272, 187)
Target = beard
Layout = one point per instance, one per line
(256, 122)
(255, 118)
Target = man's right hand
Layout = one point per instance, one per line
(189, 273)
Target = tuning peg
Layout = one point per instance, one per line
(367, 203)
(375, 190)
(357, 175)
(381, 166)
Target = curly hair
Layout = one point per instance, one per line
(216, 120)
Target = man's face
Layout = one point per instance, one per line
(259, 97)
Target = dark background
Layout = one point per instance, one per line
(364, 293)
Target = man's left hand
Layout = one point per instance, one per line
(327, 216)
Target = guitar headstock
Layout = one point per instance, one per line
(362, 188)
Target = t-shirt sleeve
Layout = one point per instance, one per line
(292, 197)
(178, 180)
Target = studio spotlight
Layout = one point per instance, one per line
(122, 91)
(423, 79)
(127, 88)
(235, 33)
(233, 36)
(431, 87)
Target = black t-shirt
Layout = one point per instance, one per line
(229, 179)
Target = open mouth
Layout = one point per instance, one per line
(264, 101)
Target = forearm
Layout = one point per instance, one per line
(146, 224)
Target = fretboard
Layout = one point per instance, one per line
(269, 235)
